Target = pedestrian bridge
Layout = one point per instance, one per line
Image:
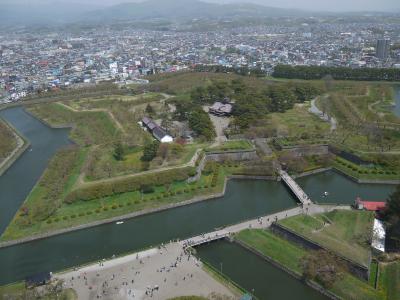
(295, 188)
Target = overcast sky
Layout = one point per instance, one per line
(321, 5)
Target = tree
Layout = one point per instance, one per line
(150, 110)
(200, 122)
(119, 151)
(392, 211)
(150, 151)
(323, 267)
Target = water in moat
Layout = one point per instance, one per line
(253, 273)
(19, 179)
(244, 199)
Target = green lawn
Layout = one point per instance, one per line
(273, 246)
(344, 232)
(289, 255)
(231, 146)
(298, 122)
(18, 291)
(89, 127)
(389, 280)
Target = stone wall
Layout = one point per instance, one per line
(232, 155)
(309, 150)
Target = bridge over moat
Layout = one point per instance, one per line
(295, 188)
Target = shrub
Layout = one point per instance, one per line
(49, 221)
(73, 216)
(105, 208)
(65, 218)
(56, 220)
(89, 213)
(114, 206)
(147, 189)
(81, 214)
(136, 201)
(120, 205)
(97, 210)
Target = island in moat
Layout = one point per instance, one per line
(141, 149)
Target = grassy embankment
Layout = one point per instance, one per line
(85, 211)
(19, 291)
(8, 141)
(389, 279)
(373, 173)
(289, 255)
(232, 145)
(344, 232)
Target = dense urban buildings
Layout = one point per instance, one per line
(52, 58)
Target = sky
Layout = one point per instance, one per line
(315, 5)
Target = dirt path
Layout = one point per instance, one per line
(316, 111)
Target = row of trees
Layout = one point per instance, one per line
(391, 216)
(129, 184)
(338, 73)
(223, 69)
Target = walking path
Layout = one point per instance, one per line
(297, 190)
(159, 273)
(316, 111)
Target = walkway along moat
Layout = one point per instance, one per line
(244, 199)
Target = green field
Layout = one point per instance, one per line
(289, 255)
(344, 232)
(389, 279)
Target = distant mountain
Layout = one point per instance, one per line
(42, 13)
(185, 9)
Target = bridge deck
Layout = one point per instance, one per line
(296, 189)
(258, 223)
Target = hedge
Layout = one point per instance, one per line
(130, 184)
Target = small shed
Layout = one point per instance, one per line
(370, 205)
